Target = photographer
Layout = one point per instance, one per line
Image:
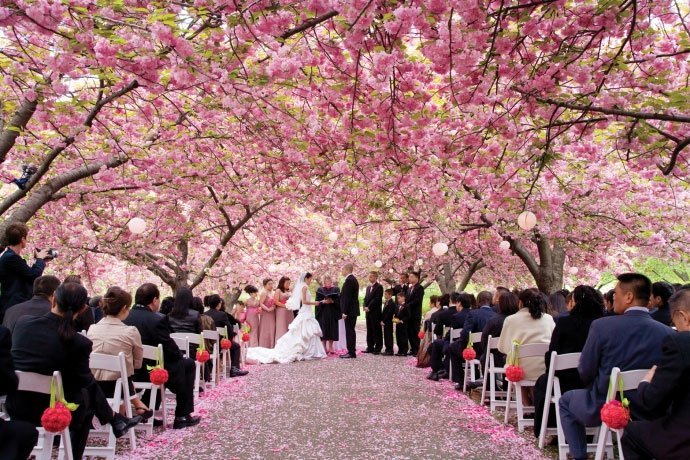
(16, 277)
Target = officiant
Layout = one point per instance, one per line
(327, 312)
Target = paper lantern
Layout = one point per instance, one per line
(137, 225)
(573, 270)
(378, 264)
(439, 249)
(333, 236)
(419, 262)
(354, 251)
(390, 270)
(527, 220)
(504, 245)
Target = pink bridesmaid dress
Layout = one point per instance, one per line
(267, 332)
(254, 322)
(283, 316)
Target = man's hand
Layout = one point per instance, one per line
(42, 254)
(366, 310)
(649, 375)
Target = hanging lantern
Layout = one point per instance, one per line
(137, 225)
(354, 251)
(333, 236)
(419, 262)
(573, 270)
(439, 249)
(391, 271)
(527, 220)
(504, 245)
(378, 264)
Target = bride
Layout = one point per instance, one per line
(303, 338)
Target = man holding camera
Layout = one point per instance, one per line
(16, 277)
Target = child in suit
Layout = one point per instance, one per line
(387, 321)
(401, 317)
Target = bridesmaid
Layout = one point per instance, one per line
(283, 316)
(253, 309)
(267, 334)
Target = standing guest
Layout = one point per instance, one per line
(373, 300)
(253, 314)
(184, 318)
(569, 336)
(222, 319)
(283, 316)
(402, 286)
(328, 314)
(267, 333)
(111, 336)
(630, 340)
(16, 277)
(401, 317)
(49, 343)
(349, 308)
(387, 321)
(413, 300)
(664, 390)
(661, 292)
(38, 305)
(154, 328)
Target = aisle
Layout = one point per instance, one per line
(372, 407)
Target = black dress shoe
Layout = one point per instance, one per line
(474, 385)
(401, 354)
(387, 353)
(433, 376)
(235, 372)
(366, 351)
(443, 374)
(122, 424)
(157, 422)
(458, 386)
(375, 352)
(144, 414)
(185, 422)
(347, 356)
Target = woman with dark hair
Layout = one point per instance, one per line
(167, 305)
(183, 317)
(608, 303)
(531, 324)
(328, 314)
(283, 316)
(267, 334)
(111, 336)
(557, 305)
(569, 336)
(253, 312)
(508, 304)
(661, 292)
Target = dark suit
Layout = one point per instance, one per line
(493, 328)
(154, 329)
(37, 347)
(387, 320)
(349, 305)
(439, 348)
(667, 437)
(413, 302)
(475, 320)
(398, 288)
(17, 279)
(372, 301)
(37, 306)
(223, 319)
(442, 319)
(629, 341)
(663, 316)
(403, 314)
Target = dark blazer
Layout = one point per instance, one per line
(475, 322)
(457, 321)
(373, 299)
(388, 311)
(398, 288)
(220, 318)
(17, 279)
(569, 336)
(493, 328)
(349, 296)
(442, 319)
(37, 306)
(663, 316)
(154, 329)
(629, 341)
(8, 379)
(667, 394)
(402, 313)
(414, 299)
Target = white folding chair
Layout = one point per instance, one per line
(3, 412)
(491, 373)
(151, 353)
(39, 383)
(454, 335)
(224, 357)
(472, 365)
(192, 339)
(182, 343)
(631, 379)
(214, 337)
(530, 350)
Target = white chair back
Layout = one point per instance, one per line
(214, 337)
(529, 350)
(471, 366)
(553, 394)
(491, 373)
(455, 334)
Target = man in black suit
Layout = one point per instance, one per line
(349, 306)
(402, 286)
(452, 317)
(372, 307)
(154, 329)
(39, 305)
(413, 301)
(16, 277)
(224, 319)
(387, 321)
(664, 391)
(442, 318)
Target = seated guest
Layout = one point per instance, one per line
(84, 318)
(167, 305)
(17, 438)
(207, 324)
(434, 306)
(154, 329)
(402, 314)
(569, 336)
(111, 336)
(500, 290)
(629, 340)
(557, 305)
(506, 306)
(38, 305)
(439, 347)
(658, 302)
(442, 318)
(96, 307)
(608, 303)
(183, 317)
(49, 343)
(222, 319)
(664, 390)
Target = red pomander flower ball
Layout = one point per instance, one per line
(421, 335)
(514, 373)
(202, 356)
(225, 344)
(55, 419)
(245, 337)
(158, 376)
(615, 415)
(469, 354)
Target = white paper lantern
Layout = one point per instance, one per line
(527, 220)
(391, 271)
(378, 264)
(439, 249)
(573, 270)
(333, 236)
(354, 251)
(228, 269)
(137, 225)
(504, 245)
(419, 262)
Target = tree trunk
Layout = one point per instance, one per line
(231, 297)
(548, 272)
(446, 276)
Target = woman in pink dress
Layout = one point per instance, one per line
(283, 316)
(253, 310)
(267, 333)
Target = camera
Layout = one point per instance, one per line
(52, 253)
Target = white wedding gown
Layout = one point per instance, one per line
(301, 342)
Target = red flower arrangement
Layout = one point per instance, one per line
(421, 335)
(468, 354)
(616, 414)
(202, 355)
(514, 373)
(157, 374)
(245, 337)
(58, 416)
(225, 344)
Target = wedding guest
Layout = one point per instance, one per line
(222, 319)
(167, 305)
(283, 316)
(96, 308)
(328, 314)
(500, 290)
(556, 305)
(658, 302)
(442, 318)
(508, 304)
(111, 336)
(38, 305)
(253, 311)
(387, 321)
(413, 302)
(267, 332)
(206, 323)
(568, 336)
(184, 318)
(239, 311)
(49, 343)
(402, 286)
(373, 299)
(400, 318)
(434, 306)
(608, 303)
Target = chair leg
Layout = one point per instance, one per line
(483, 400)
(492, 391)
(67, 442)
(464, 379)
(520, 408)
(601, 441)
(507, 412)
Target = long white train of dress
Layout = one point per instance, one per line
(301, 342)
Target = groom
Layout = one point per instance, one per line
(349, 306)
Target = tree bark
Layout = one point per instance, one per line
(548, 272)
(447, 276)
(16, 125)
